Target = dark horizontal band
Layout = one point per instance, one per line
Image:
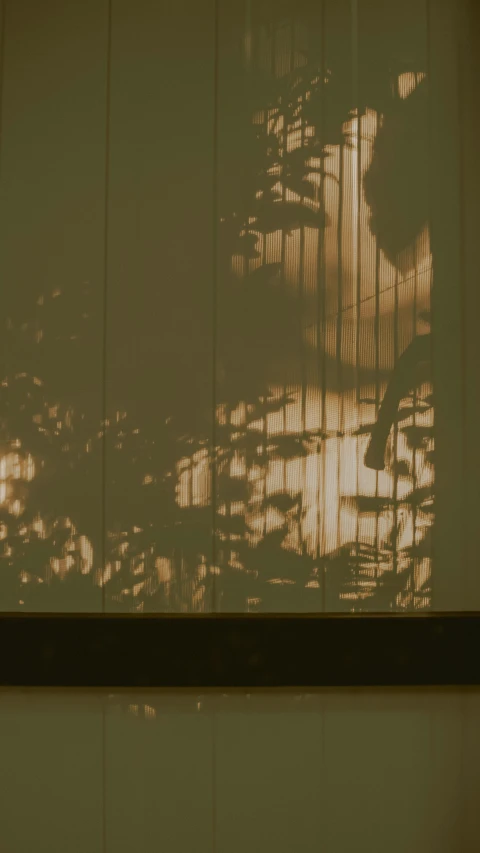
(239, 651)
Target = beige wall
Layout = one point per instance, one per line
(122, 145)
(337, 772)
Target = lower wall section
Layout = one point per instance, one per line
(335, 771)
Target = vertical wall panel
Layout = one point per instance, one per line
(159, 784)
(267, 351)
(470, 824)
(51, 268)
(469, 50)
(449, 545)
(378, 759)
(51, 776)
(159, 335)
(270, 776)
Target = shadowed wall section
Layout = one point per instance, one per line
(52, 198)
(234, 258)
(336, 771)
(160, 298)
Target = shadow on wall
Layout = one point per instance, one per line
(305, 483)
